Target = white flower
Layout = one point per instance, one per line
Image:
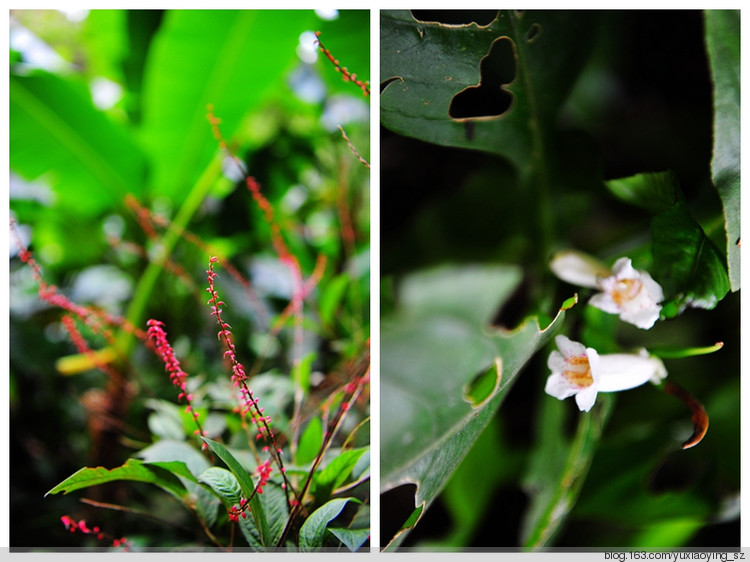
(581, 372)
(626, 291)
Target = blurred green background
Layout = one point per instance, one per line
(108, 104)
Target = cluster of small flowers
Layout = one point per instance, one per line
(263, 471)
(178, 377)
(235, 511)
(633, 295)
(364, 86)
(81, 526)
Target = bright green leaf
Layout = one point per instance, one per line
(312, 532)
(335, 473)
(310, 442)
(245, 482)
(223, 483)
(351, 538)
(208, 56)
(133, 469)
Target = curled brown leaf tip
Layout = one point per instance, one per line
(700, 417)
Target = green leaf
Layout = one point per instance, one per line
(223, 483)
(330, 298)
(133, 469)
(559, 466)
(432, 348)
(263, 532)
(243, 478)
(686, 263)
(723, 46)
(208, 56)
(180, 451)
(57, 135)
(335, 473)
(655, 192)
(165, 422)
(534, 62)
(312, 532)
(301, 372)
(310, 442)
(353, 539)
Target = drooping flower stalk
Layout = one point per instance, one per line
(98, 320)
(178, 377)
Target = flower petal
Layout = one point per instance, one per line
(559, 387)
(578, 268)
(586, 398)
(621, 371)
(569, 347)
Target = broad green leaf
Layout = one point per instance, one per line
(208, 56)
(58, 136)
(133, 469)
(655, 192)
(686, 263)
(243, 478)
(166, 451)
(484, 468)
(312, 532)
(223, 483)
(558, 467)
(534, 62)
(262, 533)
(310, 442)
(335, 473)
(351, 538)
(428, 359)
(723, 46)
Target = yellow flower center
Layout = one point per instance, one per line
(626, 290)
(579, 371)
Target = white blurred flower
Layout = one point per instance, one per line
(581, 372)
(626, 291)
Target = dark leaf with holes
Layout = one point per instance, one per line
(493, 88)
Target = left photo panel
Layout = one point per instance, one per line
(189, 280)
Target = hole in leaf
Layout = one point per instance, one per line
(488, 99)
(397, 511)
(533, 32)
(485, 384)
(388, 82)
(456, 17)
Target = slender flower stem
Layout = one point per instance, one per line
(248, 403)
(348, 76)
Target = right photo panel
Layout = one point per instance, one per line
(560, 280)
